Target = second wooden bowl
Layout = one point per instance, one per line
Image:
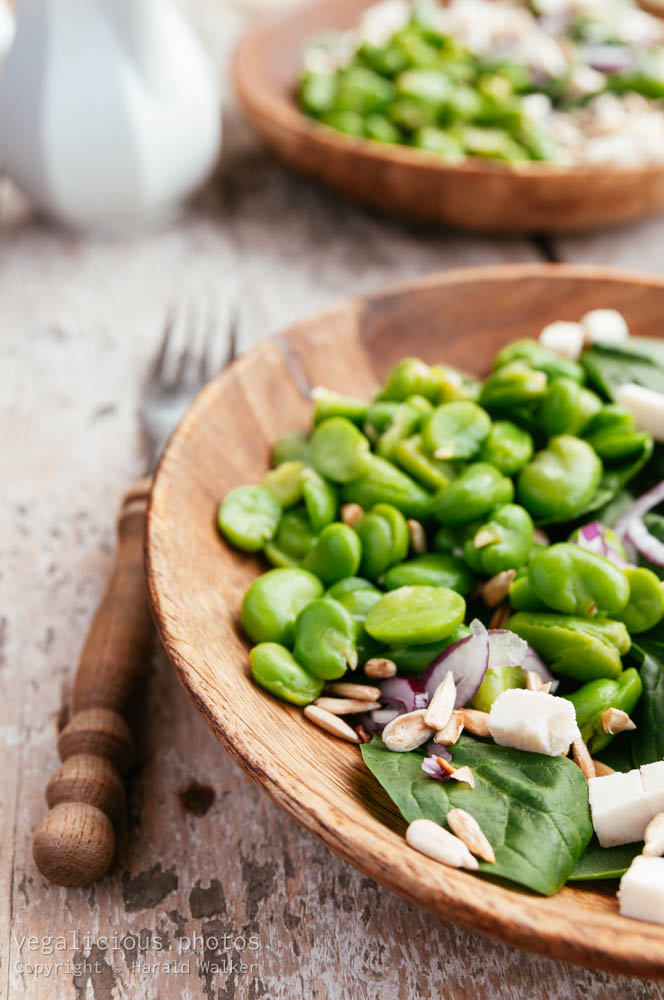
(197, 582)
(406, 182)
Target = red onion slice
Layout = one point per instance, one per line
(632, 530)
(375, 722)
(432, 769)
(532, 661)
(608, 58)
(506, 649)
(467, 659)
(407, 691)
(438, 750)
(596, 537)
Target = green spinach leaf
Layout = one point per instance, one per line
(640, 360)
(604, 862)
(533, 809)
(647, 740)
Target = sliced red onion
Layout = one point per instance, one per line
(432, 769)
(467, 659)
(438, 750)
(407, 691)
(506, 649)
(375, 722)
(632, 530)
(609, 58)
(533, 661)
(596, 537)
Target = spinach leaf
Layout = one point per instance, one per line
(604, 862)
(640, 360)
(647, 740)
(533, 809)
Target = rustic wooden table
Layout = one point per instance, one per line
(215, 891)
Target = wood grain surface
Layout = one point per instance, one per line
(406, 182)
(204, 852)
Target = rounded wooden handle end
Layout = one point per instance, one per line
(74, 844)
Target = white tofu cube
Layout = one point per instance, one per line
(564, 338)
(533, 720)
(652, 777)
(606, 325)
(645, 405)
(619, 808)
(641, 892)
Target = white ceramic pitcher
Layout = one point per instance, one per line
(109, 112)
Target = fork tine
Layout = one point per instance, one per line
(159, 364)
(220, 343)
(183, 369)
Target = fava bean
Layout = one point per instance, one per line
(593, 699)
(456, 430)
(285, 482)
(645, 607)
(560, 480)
(479, 489)
(574, 581)
(435, 569)
(577, 647)
(503, 542)
(384, 483)
(325, 639)
(249, 517)
(416, 659)
(508, 447)
(384, 535)
(495, 681)
(415, 615)
(431, 472)
(541, 359)
(511, 386)
(339, 451)
(320, 499)
(336, 554)
(293, 447)
(275, 668)
(410, 377)
(295, 536)
(333, 404)
(567, 407)
(273, 602)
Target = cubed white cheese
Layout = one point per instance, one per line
(652, 776)
(533, 720)
(607, 325)
(645, 405)
(641, 892)
(619, 808)
(564, 338)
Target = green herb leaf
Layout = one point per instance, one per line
(604, 862)
(533, 809)
(647, 740)
(640, 361)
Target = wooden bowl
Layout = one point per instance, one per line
(197, 582)
(409, 183)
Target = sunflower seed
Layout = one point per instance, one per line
(365, 692)
(440, 707)
(418, 538)
(614, 720)
(469, 830)
(497, 588)
(428, 838)
(346, 706)
(464, 774)
(330, 723)
(452, 731)
(601, 769)
(500, 616)
(583, 759)
(407, 732)
(535, 683)
(351, 513)
(475, 722)
(379, 667)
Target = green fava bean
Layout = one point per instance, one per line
(511, 386)
(320, 499)
(325, 639)
(435, 569)
(416, 659)
(495, 681)
(348, 585)
(454, 384)
(333, 404)
(295, 536)
(479, 489)
(273, 602)
(521, 594)
(560, 480)
(336, 554)
(380, 415)
(504, 542)
(410, 377)
(613, 435)
(285, 482)
(540, 358)
(293, 447)
(385, 539)
(645, 607)
(409, 455)
(384, 483)
(575, 581)
(567, 407)
(456, 430)
(249, 517)
(508, 447)
(406, 419)
(339, 451)
(415, 615)
(358, 602)
(279, 557)
(593, 699)
(577, 647)
(275, 668)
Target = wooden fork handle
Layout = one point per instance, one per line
(75, 843)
